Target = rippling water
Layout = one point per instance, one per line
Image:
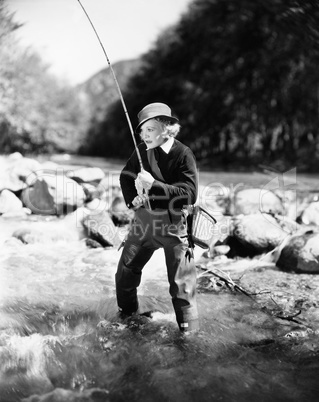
(61, 340)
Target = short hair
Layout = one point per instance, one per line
(171, 129)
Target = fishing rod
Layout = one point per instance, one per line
(117, 86)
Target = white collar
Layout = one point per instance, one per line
(166, 147)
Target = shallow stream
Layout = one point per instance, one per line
(61, 338)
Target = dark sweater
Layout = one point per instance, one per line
(178, 168)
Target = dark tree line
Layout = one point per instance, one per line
(242, 76)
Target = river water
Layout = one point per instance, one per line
(61, 338)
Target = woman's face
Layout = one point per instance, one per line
(152, 134)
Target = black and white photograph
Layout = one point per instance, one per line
(159, 200)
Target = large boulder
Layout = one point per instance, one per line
(9, 202)
(119, 212)
(68, 194)
(301, 254)
(87, 175)
(53, 194)
(17, 171)
(101, 228)
(255, 200)
(39, 199)
(258, 233)
(310, 216)
(90, 191)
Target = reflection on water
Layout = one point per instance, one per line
(61, 339)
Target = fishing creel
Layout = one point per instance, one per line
(201, 226)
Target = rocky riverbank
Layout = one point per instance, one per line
(259, 230)
(251, 221)
(257, 292)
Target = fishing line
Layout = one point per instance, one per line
(117, 86)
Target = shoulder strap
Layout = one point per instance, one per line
(154, 166)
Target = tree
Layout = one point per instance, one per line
(241, 76)
(38, 113)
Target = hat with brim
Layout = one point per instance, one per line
(155, 110)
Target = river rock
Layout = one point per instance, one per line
(87, 175)
(54, 194)
(9, 202)
(53, 229)
(97, 205)
(101, 228)
(17, 172)
(21, 214)
(25, 167)
(214, 198)
(254, 200)
(38, 199)
(27, 235)
(293, 202)
(93, 243)
(68, 195)
(109, 188)
(221, 249)
(15, 156)
(310, 215)
(49, 166)
(90, 191)
(49, 232)
(119, 212)
(258, 232)
(301, 254)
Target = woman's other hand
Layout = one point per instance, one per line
(139, 200)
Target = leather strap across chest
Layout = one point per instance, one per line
(154, 165)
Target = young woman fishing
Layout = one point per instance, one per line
(159, 194)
